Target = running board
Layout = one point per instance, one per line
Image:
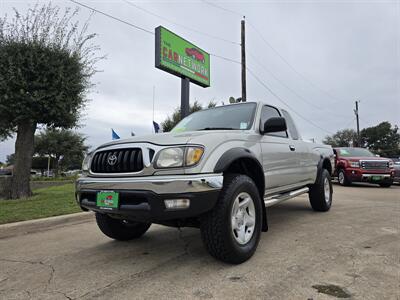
(271, 200)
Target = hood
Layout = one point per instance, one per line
(364, 158)
(168, 138)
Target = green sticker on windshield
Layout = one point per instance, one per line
(344, 152)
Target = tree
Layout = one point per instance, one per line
(174, 119)
(342, 138)
(46, 62)
(10, 159)
(382, 139)
(66, 148)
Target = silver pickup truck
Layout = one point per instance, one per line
(218, 170)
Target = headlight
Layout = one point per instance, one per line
(355, 164)
(86, 162)
(178, 157)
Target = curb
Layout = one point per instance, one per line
(31, 226)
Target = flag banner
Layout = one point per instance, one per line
(114, 135)
(156, 127)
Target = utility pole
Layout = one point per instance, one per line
(358, 124)
(243, 51)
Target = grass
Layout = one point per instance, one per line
(45, 202)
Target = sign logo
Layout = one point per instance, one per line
(179, 57)
(112, 159)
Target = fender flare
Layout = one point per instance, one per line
(234, 154)
(231, 155)
(320, 167)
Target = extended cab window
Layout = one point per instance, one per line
(290, 125)
(268, 112)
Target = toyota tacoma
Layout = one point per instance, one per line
(219, 170)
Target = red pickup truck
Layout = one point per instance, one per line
(360, 165)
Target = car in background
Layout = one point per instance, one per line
(70, 173)
(5, 172)
(396, 162)
(360, 165)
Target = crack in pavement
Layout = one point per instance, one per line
(50, 266)
(140, 274)
(64, 294)
(3, 280)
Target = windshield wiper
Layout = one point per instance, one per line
(217, 128)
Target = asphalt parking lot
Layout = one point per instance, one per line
(352, 251)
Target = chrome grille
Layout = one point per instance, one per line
(117, 161)
(374, 164)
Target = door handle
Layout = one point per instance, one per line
(292, 148)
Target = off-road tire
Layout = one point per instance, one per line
(120, 230)
(345, 181)
(216, 226)
(386, 184)
(319, 199)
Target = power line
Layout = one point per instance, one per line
(284, 102)
(290, 65)
(281, 81)
(272, 92)
(215, 55)
(226, 58)
(223, 8)
(112, 17)
(274, 50)
(290, 89)
(178, 24)
(348, 124)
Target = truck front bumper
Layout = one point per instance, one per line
(142, 198)
(372, 176)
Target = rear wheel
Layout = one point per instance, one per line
(121, 230)
(321, 193)
(386, 184)
(231, 231)
(342, 178)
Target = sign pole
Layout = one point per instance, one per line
(185, 85)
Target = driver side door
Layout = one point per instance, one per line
(278, 160)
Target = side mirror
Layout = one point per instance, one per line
(274, 124)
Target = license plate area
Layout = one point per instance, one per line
(107, 200)
(376, 178)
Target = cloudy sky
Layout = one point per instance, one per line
(317, 56)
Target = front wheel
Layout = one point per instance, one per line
(386, 184)
(231, 231)
(342, 178)
(320, 194)
(121, 230)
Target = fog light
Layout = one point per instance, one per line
(177, 203)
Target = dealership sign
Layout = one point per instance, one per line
(181, 58)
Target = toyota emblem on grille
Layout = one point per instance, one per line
(112, 159)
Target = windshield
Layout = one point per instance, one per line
(348, 152)
(229, 117)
